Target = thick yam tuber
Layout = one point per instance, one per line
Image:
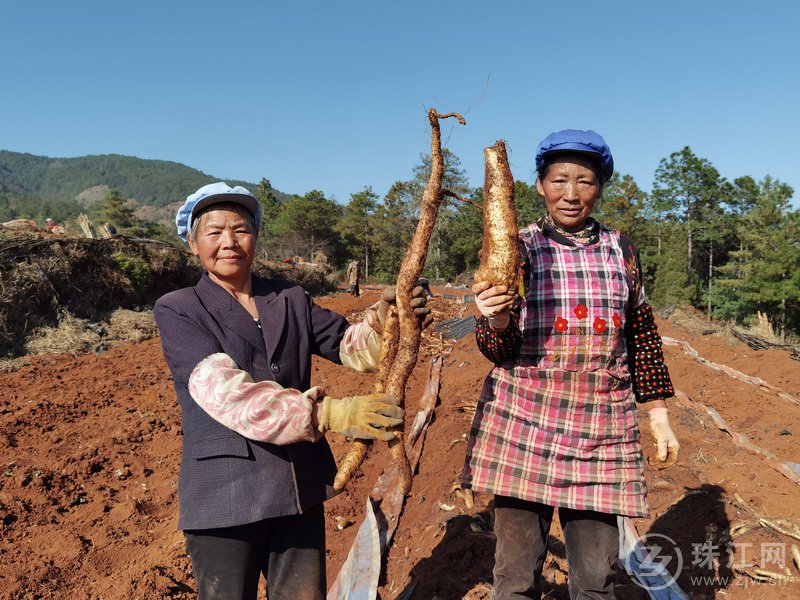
(500, 250)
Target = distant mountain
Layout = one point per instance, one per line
(84, 179)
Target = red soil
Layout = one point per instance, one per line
(89, 451)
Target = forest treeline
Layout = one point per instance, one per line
(729, 248)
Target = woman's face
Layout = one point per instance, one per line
(570, 189)
(225, 243)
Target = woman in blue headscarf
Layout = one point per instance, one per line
(575, 349)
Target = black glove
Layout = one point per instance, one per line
(419, 300)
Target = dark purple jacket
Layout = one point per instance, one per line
(226, 479)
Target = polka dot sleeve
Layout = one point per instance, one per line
(649, 374)
(499, 346)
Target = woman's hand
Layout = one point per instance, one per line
(667, 444)
(419, 300)
(363, 417)
(494, 303)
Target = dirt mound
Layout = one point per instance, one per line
(46, 279)
(89, 449)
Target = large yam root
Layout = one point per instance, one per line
(399, 353)
(350, 463)
(500, 251)
(400, 459)
(358, 451)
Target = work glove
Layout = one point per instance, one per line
(667, 445)
(419, 300)
(494, 303)
(362, 417)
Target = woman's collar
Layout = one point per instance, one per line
(586, 236)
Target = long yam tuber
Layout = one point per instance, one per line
(400, 351)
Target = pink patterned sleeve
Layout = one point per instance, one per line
(360, 349)
(264, 411)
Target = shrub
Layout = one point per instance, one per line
(134, 268)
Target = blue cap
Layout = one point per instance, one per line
(214, 193)
(577, 140)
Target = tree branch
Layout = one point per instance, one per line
(450, 194)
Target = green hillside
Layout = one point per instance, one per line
(56, 182)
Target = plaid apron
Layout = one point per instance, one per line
(558, 425)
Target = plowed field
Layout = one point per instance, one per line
(90, 447)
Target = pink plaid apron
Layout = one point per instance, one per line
(559, 425)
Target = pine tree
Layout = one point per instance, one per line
(393, 227)
(621, 206)
(690, 190)
(763, 272)
(356, 226)
(114, 210)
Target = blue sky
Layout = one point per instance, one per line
(332, 95)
